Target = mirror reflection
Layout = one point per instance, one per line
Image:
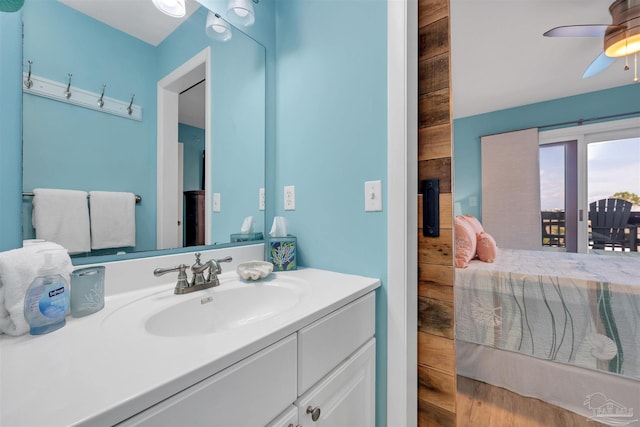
(547, 304)
(209, 127)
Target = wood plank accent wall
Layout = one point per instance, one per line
(436, 350)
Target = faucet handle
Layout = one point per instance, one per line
(216, 263)
(182, 275)
(225, 259)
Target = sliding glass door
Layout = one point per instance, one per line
(599, 162)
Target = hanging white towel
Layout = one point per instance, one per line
(18, 268)
(113, 219)
(62, 216)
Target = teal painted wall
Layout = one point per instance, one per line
(193, 139)
(468, 130)
(331, 129)
(10, 129)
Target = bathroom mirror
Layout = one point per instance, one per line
(501, 65)
(72, 146)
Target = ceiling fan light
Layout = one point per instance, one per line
(241, 11)
(624, 46)
(173, 8)
(217, 28)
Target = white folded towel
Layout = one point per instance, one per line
(18, 268)
(62, 216)
(113, 219)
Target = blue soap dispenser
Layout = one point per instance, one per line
(46, 301)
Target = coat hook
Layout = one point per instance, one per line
(101, 100)
(29, 83)
(129, 109)
(67, 93)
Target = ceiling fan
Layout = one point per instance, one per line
(621, 37)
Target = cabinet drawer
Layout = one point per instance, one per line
(326, 343)
(249, 393)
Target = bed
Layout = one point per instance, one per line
(561, 327)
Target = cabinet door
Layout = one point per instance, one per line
(287, 419)
(346, 397)
(250, 393)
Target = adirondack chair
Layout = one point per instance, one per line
(609, 219)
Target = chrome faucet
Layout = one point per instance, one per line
(198, 281)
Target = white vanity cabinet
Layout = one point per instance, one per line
(320, 375)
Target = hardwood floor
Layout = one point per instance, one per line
(482, 405)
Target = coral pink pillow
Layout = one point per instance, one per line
(475, 224)
(486, 247)
(465, 242)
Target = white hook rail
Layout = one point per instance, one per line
(83, 98)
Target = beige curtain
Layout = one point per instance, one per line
(511, 189)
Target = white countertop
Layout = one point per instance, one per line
(96, 371)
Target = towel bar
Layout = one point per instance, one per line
(30, 194)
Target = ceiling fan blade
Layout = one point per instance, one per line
(598, 65)
(589, 30)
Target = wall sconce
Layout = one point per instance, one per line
(217, 28)
(241, 11)
(173, 8)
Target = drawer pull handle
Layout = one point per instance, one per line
(315, 412)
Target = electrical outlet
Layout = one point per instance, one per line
(373, 196)
(261, 199)
(289, 198)
(216, 202)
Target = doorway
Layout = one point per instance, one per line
(169, 202)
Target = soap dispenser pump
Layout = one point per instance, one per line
(46, 302)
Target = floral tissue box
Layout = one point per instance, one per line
(282, 253)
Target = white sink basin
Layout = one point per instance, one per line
(221, 311)
(234, 304)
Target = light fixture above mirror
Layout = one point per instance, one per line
(241, 12)
(173, 8)
(217, 28)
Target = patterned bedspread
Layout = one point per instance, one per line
(572, 308)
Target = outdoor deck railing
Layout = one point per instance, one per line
(553, 230)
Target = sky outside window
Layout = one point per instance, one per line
(614, 166)
(552, 177)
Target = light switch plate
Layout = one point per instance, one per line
(261, 199)
(373, 196)
(289, 197)
(216, 202)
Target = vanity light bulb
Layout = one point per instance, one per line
(217, 28)
(173, 8)
(241, 11)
